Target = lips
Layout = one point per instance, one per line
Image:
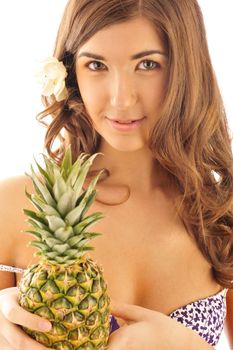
(126, 127)
(123, 121)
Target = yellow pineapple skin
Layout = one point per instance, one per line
(73, 298)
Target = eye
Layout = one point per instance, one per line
(99, 66)
(95, 64)
(150, 65)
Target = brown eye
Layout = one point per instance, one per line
(96, 65)
(99, 66)
(149, 65)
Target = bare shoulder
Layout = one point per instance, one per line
(12, 218)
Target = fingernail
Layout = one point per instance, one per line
(45, 326)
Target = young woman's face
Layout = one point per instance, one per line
(120, 86)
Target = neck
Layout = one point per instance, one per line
(137, 169)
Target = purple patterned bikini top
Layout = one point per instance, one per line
(205, 316)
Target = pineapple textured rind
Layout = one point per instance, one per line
(67, 287)
(71, 298)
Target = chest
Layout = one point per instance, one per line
(150, 259)
(147, 255)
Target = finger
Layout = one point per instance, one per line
(8, 290)
(118, 340)
(129, 312)
(17, 339)
(13, 312)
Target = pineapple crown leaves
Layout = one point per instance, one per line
(58, 224)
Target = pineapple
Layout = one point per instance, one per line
(67, 287)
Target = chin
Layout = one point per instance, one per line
(129, 147)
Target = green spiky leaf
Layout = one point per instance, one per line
(55, 222)
(64, 233)
(59, 187)
(87, 222)
(59, 224)
(36, 216)
(42, 189)
(45, 175)
(66, 202)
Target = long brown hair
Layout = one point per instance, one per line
(190, 140)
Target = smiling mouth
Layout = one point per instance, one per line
(129, 126)
(129, 122)
(125, 121)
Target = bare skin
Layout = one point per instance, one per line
(147, 241)
(150, 254)
(146, 252)
(119, 87)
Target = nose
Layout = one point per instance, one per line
(123, 92)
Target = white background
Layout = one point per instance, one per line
(27, 33)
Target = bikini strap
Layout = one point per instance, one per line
(7, 268)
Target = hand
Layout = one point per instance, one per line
(13, 337)
(146, 329)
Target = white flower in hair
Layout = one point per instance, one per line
(51, 75)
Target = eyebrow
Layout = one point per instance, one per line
(133, 57)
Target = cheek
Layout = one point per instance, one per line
(90, 92)
(161, 88)
(153, 92)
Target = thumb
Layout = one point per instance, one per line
(129, 312)
(13, 312)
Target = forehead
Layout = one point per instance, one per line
(125, 38)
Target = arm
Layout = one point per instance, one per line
(12, 337)
(229, 319)
(7, 279)
(13, 243)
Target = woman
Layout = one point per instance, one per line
(167, 239)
